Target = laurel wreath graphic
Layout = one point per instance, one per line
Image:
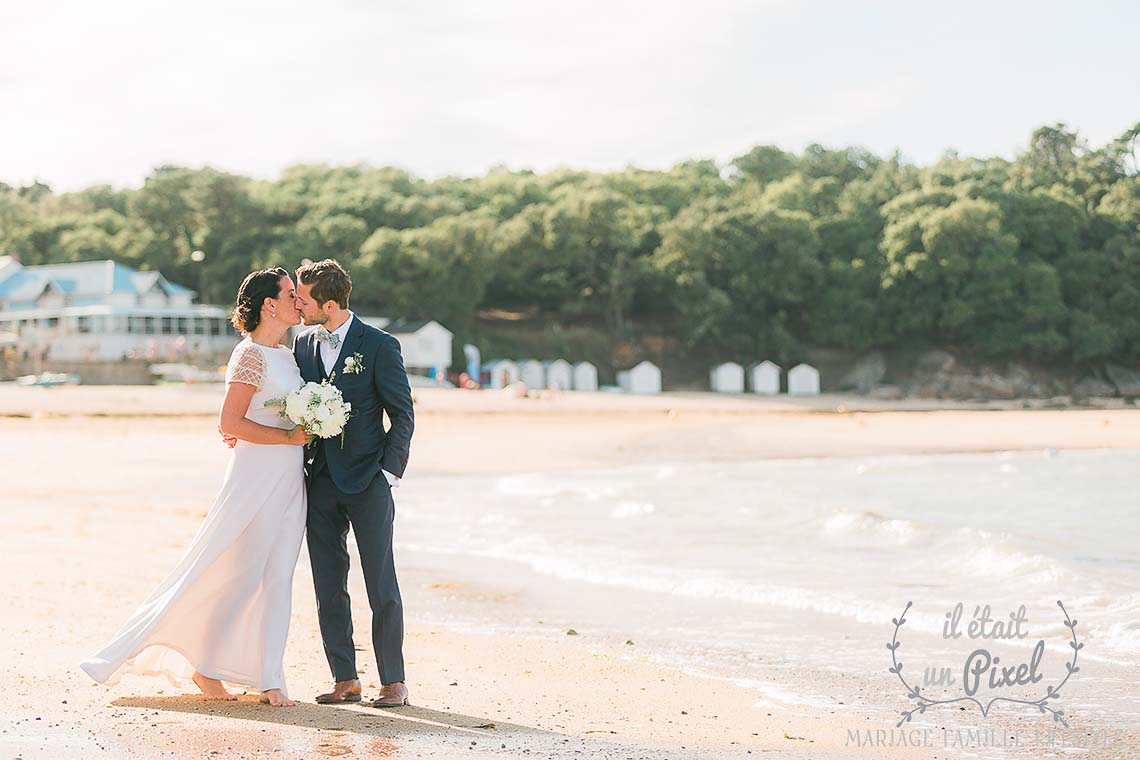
(923, 703)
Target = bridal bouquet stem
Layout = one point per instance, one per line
(317, 407)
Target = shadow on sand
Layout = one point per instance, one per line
(410, 724)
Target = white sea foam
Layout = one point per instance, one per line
(997, 561)
(534, 553)
(540, 486)
(626, 509)
(869, 526)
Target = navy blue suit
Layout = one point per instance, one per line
(346, 487)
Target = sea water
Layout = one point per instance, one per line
(747, 567)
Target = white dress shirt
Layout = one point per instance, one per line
(329, 356)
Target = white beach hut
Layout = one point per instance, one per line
(764, 377)
(643, 378)
(727, 378)
(425, 344)
(803, 380)
(503, 372)
(559, 374)
(585, 377)
(532, 373)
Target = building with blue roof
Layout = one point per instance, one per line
(100, 310)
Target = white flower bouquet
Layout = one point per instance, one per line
(317, 407)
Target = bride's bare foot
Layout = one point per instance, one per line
(212, 688)
(276, 698)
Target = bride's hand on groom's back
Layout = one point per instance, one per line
(229, 440)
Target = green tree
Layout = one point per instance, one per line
(436, 272)
(743, 276)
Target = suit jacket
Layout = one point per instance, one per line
(382, 386)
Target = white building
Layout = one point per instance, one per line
(585, 377)
(559, 374)
(727, 378)
(643, 378)
(103, 310)
(764, 377)
(532, 373)
(503, 372)
(803, 380)
(425, 344)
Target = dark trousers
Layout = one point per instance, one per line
(370, 514)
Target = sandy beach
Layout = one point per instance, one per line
(495, 432)
(103, 487)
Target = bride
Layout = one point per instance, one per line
(223, 612)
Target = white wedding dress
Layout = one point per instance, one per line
(224, 610)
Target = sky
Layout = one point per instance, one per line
(102, 92)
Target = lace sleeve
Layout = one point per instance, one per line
(247, 365)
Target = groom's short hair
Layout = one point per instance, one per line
(329, 280)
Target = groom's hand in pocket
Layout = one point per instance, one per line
(229, 440)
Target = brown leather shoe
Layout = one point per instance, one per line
(342, 691)
(392, 695)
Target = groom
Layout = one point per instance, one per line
(350, 479)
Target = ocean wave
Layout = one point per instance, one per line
(539, 486)
(1001, 560)
(1121, 637)
(963, 551)
(863, 526)
(627, 509)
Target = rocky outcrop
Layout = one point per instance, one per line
(1105, 402)
(1126, 381)
(867, 373)
(1091, 387)
(939, 375)
(931, 374)
(887, 393)
(1056, 402)
(935, 363)
(985, 384)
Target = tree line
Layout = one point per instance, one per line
(773, 253)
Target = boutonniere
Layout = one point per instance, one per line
(354, 364)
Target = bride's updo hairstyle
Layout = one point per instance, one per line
(255, 288)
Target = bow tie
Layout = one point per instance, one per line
(324, 335)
